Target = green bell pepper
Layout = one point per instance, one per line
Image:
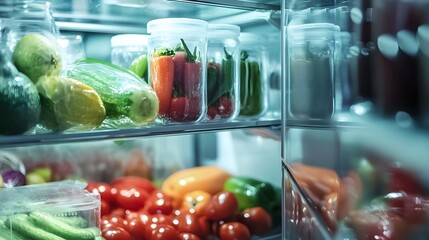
(251, 192)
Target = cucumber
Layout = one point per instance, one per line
(122, 93)
(8, 234)
(22, 224)
(74, 221)
(62, 229)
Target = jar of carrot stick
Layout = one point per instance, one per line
(177, 49)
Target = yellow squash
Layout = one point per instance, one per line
(209, 179)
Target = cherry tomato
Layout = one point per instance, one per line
(130, 198)
(163, 231)
(105, 208)
(188, 236)
(221, 206)
(402, 180)
(226, 106)
(234, 231)
(115, 233)
(409, 206)
(195, 201)
(212, 112)
(117, 221)
(187, 222)
(134, 181)
(117, 212)
(257, 220)
(134, 225)
(159, 203)
(103, 189)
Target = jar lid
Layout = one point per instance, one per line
(223, 30)
(132, 40)
(313, 30)
(177, 25)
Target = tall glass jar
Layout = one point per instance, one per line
(30, 16)
(177, 50)
(223, 72)
(253, 81)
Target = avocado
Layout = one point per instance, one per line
(36, 55)
(19, 100)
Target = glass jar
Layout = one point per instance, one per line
(30, 16)
(223, 72)
(253, 81)
(177, 50)
(127, 47)
(312, 62)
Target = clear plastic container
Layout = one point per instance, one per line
(223, 75)
(127, 47)
(30, 16)
(253, 81)
(40, 210)
(177, 50)
(312, 63)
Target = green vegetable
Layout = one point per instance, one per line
(139, 67)
(251, 192)
(122, 93)
(74, 221)
(250, 87)
(22, 224)
(19, 100)
(220, 79)
(62, 229)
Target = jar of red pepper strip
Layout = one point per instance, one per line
(177, 50)
(223, 72)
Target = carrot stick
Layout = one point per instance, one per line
(162, 77)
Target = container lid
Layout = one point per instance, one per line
(223, 30)
(177, 25)
(58, 198)
(312, 30)
(132, 40)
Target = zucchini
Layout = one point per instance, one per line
(122, 93)
(22, 224)
(62, 229)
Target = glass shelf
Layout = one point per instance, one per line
(121, 134)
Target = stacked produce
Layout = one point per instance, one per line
(195, 203)
(80, 96)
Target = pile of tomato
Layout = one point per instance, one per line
(132, 208)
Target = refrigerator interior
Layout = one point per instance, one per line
(249, 148)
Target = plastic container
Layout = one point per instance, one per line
(30, 16)
(177, 50)
(32, 210)
(253, 81)
(127, 47)
(312, 63)
(223, 53)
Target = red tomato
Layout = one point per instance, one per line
(212, 112)
(411, 207)
(163, 231)
(257, 220)
(117, 212)
(135, 225)
(226, 106)
(221, 206)
(130, 198)
(117, 221)
(115, 233)
(159, 203)
(234, 231)
(105, 208)
(188, 236)
(187, 222)
(134, 181)
(103, 189)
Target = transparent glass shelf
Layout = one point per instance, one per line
(121, 134)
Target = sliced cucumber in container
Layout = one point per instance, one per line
(122, 92)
